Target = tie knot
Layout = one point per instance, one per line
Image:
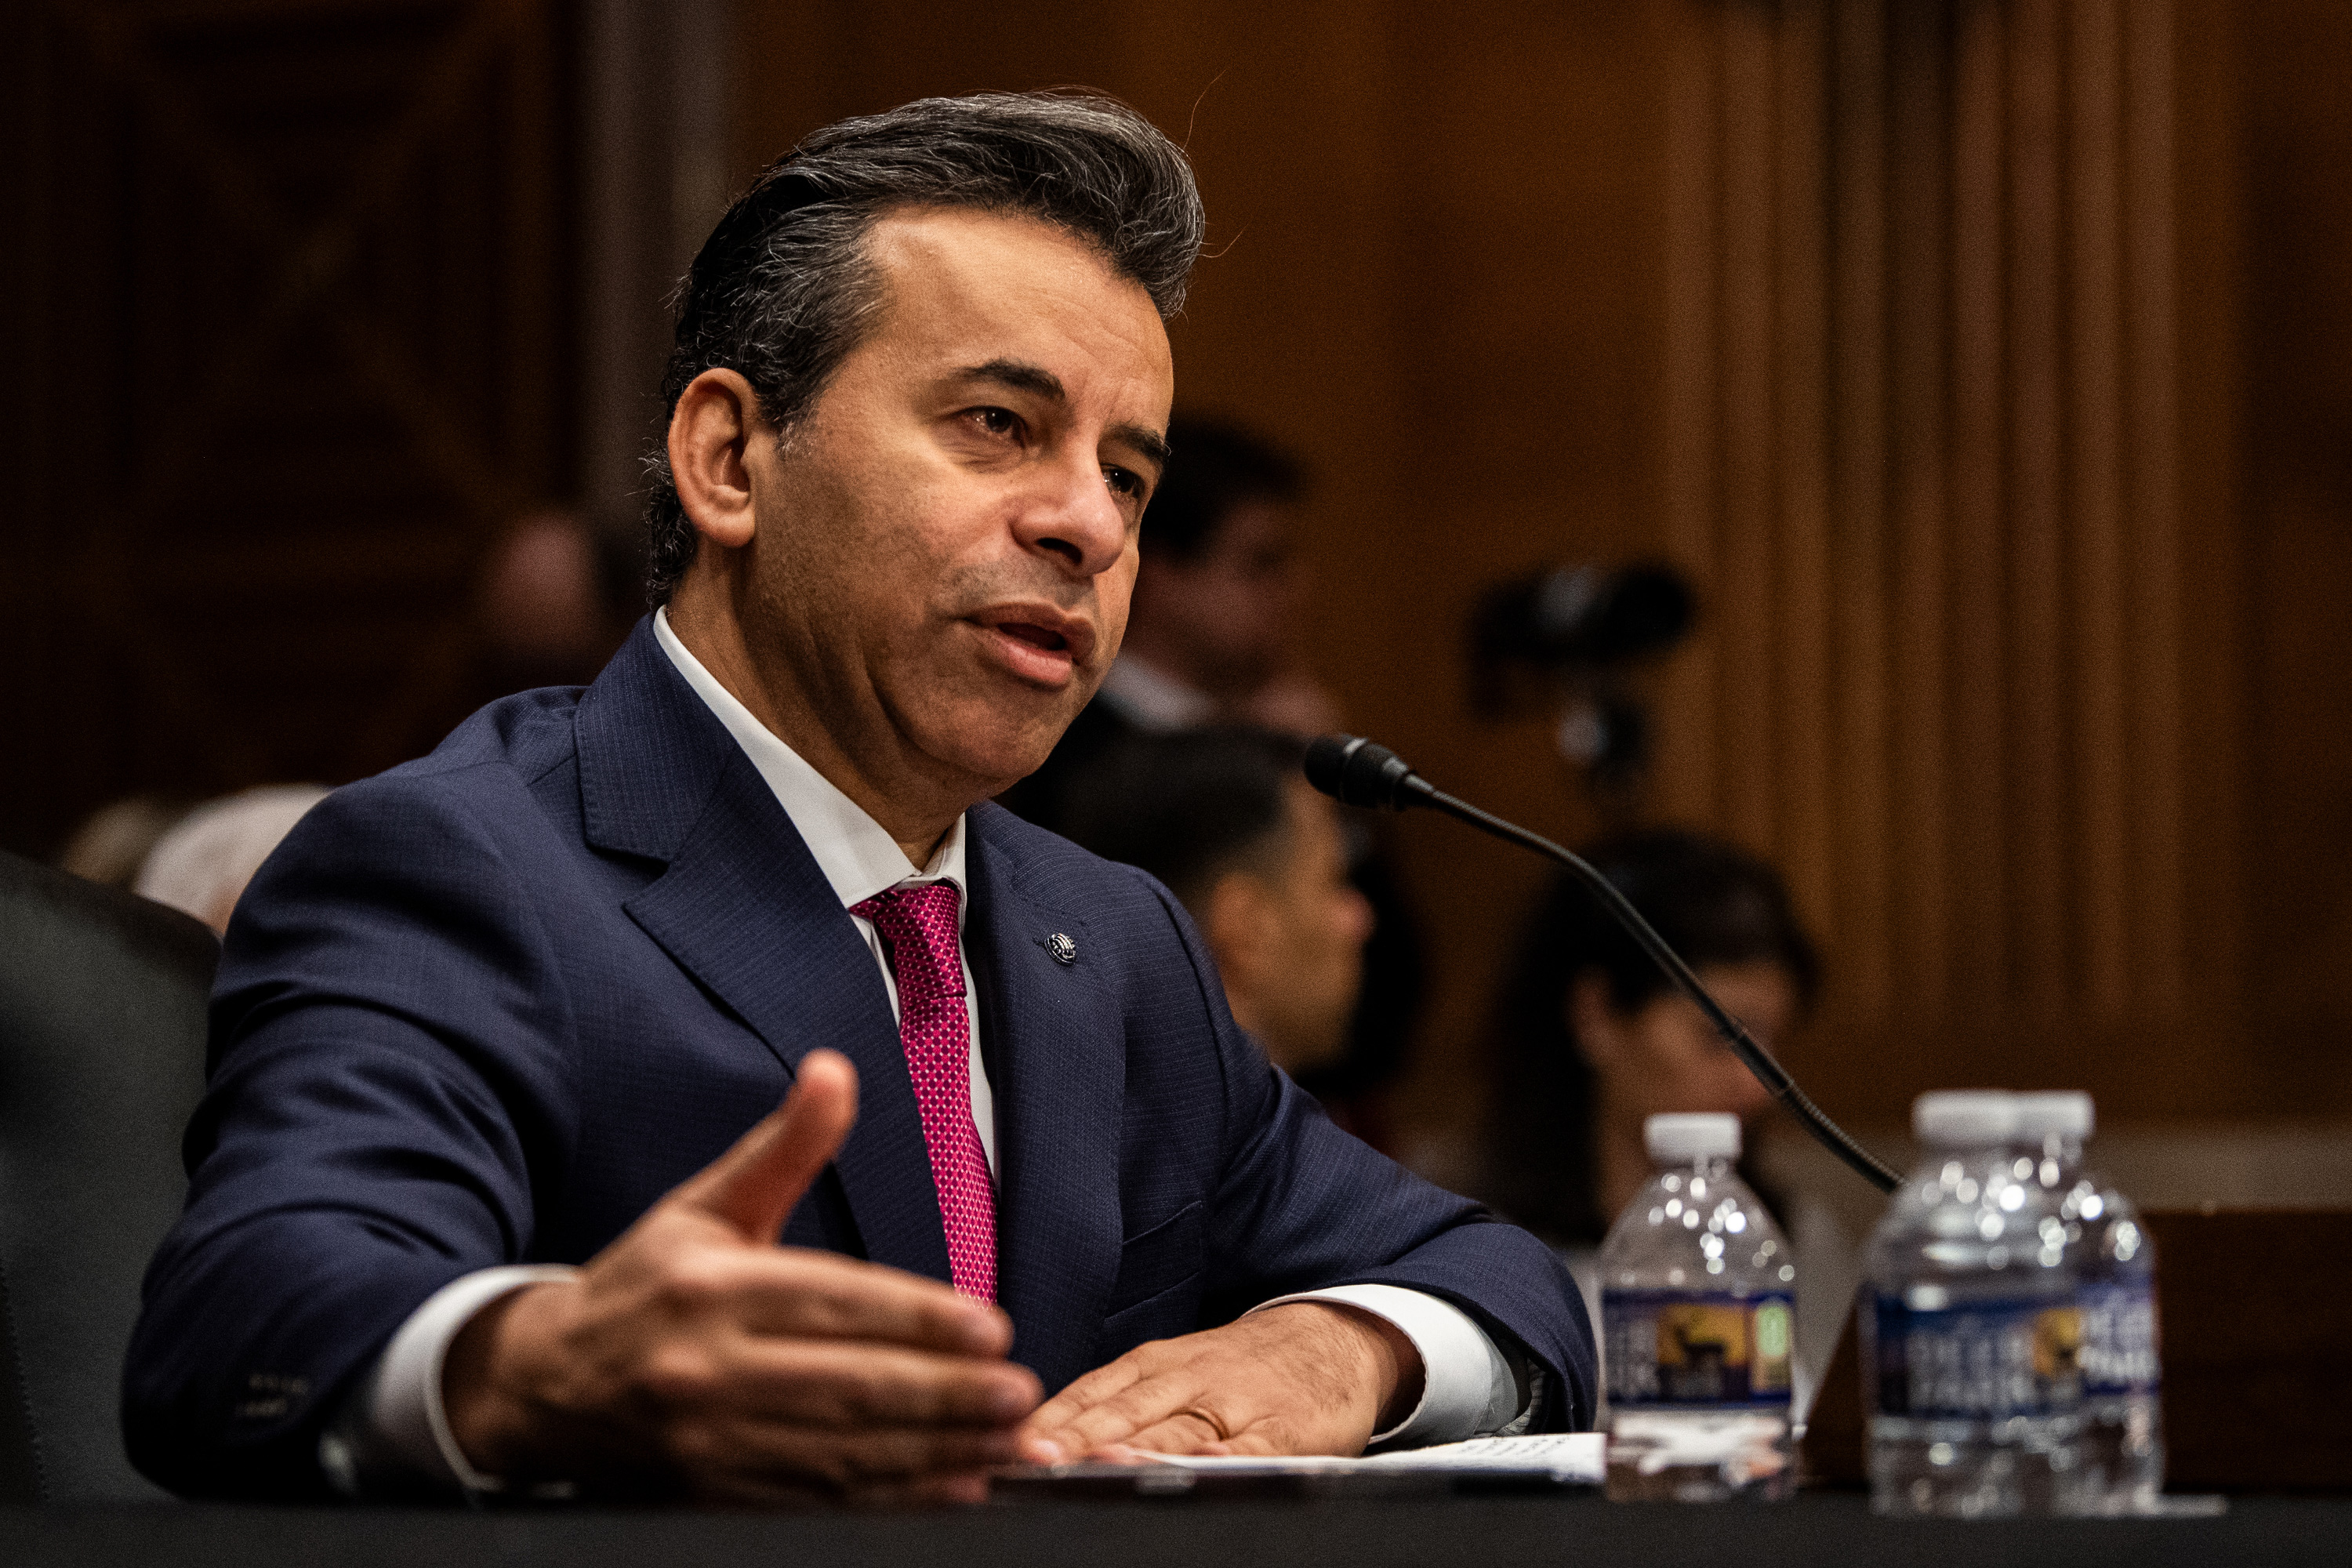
(919, 923)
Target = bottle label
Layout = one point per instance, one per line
(2119, 1340)
(1692, 1347)
(1984, 1360)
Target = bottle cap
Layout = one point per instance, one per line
(1692, 1135)
(1959, 1117)
(2067, 1112)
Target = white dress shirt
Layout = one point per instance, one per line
(396, 1426)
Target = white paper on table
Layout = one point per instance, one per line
(1573, 1456)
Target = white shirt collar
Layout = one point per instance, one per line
(1152, 699)
(857, 854)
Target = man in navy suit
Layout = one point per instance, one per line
(473, 1199)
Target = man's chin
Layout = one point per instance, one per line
(998, 758)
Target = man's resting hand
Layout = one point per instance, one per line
(694, 1354)
(1305, 1377)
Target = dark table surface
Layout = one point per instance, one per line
(1578, 1528)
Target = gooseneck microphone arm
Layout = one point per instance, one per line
(1353, 770)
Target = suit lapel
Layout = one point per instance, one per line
(744, 908)
(1060, 1073)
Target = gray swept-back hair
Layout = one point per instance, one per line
(783, 289)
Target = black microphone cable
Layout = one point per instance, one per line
(1353, 770)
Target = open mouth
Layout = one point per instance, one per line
(1038, 645)
(1035, 636)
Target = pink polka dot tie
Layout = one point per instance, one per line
(917, 926)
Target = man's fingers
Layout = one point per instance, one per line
(1192, 1431)
(1139, 1407)
(820, 1296)
(754, 1185)
(1256, 1387)
(1186, 1432)
(846, 1387)
(1102, 1383)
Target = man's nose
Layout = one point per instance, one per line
(1071, 514)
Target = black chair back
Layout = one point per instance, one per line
(102, 1061)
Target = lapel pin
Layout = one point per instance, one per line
(1064, 950)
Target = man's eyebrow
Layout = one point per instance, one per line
(1019, 375)
(1144, 439)
(1023, 376)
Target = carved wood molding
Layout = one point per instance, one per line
(316, 298)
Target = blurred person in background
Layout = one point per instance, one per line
(201, 867)
(547, 603)
(1588, 1038)
(550, 604)
(1211, 639)
(115, 841)
(1224, 818)
(1216, 608)
(1218, 595)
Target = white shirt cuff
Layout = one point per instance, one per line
(1468, 1388)
(397, 1428)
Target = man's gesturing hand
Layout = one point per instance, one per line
(695, 1354)
(1306, 1377)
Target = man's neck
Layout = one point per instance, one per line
(717, 643)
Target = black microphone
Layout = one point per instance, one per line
(1353, 770)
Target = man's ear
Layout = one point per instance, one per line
(717, 419)
(1593, 1021)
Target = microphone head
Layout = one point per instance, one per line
(1352, 770)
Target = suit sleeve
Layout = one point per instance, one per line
(387, 1079)
(1300, 1204)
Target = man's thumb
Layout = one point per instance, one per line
(755, 1185)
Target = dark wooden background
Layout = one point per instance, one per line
(1988, 362)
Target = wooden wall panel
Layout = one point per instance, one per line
(2292, 265)
(1987, 310)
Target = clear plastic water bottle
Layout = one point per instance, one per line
(1971, 1331)
(2120, 1461)
(1697, 1310)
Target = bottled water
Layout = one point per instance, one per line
(1972, 1330)
(1697, 1294)
(2121, 1452)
